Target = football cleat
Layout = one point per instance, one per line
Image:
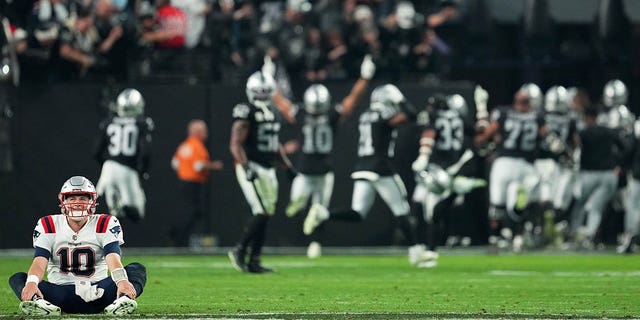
(317, 214)
(121, 306)
(237, 259)
(295, 206)
(39, 307)
(256, 267)
(627, 244)
(314, 250)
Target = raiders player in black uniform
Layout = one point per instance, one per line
(317, 121)
(373, 169)
(632, 215)
(513, 180)
(445, 148)
(123, 149)
(555, 168)
(255, 147)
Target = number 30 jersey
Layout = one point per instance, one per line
(77, 256)
(126, 140)
(262, 143)
(519, 133)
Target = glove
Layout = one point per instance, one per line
(269, 67)
(420, 164)
(481, 97)
(250, 173)
(367, 68)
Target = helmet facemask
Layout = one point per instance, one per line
(261, 88)
(77, 210)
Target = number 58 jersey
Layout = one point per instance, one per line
(263, 141)
(77, 256)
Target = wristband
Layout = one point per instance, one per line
(118, 275)
(32, 278)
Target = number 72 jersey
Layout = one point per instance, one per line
(519, 133)
(77, 256)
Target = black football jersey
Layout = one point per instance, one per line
(126, 140)
(376, 143)
(602, 148)
(561, 125)
(262, 143)
(635, 151)
(519, 133)
(453, 136)
(316, 140)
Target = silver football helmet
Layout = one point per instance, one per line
(436, 179)
(260, 89)
(130, 103)
(615, 93)
(535, 95)
(386, 97)
(317, 99)
(556, 100)
(78, 185)
(457, 103)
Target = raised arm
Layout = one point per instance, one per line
(367, 71)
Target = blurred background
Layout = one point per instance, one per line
(62, 62)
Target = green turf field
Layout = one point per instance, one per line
(382, 287)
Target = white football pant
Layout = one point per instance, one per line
(121, 187)
(262, 192)
(390, 188)
(318, 187)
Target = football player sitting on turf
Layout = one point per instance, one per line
(77, 248)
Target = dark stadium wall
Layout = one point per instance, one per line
(54, 129)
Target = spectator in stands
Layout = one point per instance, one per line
(109, 28)
(315, 57)
(233, 35)
(400, 31)
(78, 45)
(193, 165)
(196, 12)
(168, 31)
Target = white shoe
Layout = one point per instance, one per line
(317, 214)
(518, 241)
(39, 307)
(121, 306)
(314, 250)
(415, 253)
(427, 264)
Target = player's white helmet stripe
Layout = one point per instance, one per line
(556, 100)
(615, 93)
(130, 103)
(260, 89)
(77, 185)
(535, 95)
(317, 99)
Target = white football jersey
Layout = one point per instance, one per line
(77, 256)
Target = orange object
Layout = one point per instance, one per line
(192, 155)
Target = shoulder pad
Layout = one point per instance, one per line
(241, 110)
(103, 223)
(150, 124)
(48, 224)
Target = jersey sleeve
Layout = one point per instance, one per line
(109, 230)
(44, 237)
(495, 114)
(387, 111)
(241, 112)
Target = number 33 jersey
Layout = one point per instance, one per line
(77, 256)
